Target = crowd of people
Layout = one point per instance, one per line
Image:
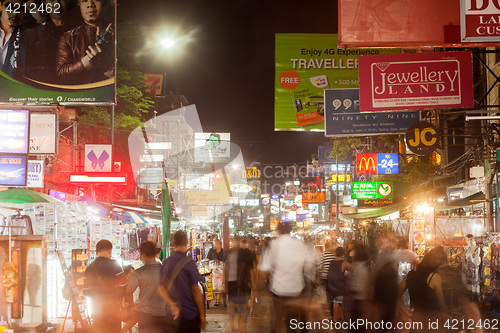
(343, 283)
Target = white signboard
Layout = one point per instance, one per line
(212, 147)
(43, 133)
(479, 20)
(98, 158)
(35, 174)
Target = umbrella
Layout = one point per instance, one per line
(21, 195)
(135, 218)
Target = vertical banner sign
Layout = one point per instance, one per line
(35, 174)
(480, 20)
(14, 131)
(306, 65)
(43, 133)
(154, 84)
(43, 65)
(98, 158)
(416, 81)
(343, 117)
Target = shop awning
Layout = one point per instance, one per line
(136, 220)
(455, 204)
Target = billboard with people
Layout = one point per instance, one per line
(58, 51)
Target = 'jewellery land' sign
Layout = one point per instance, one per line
(415, 81)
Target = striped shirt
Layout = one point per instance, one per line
(324, 264)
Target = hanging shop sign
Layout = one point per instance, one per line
(35, 174)
(343, 116)
(249, 202)
(98, 158)
(14, 131)
(151, 176)
(13, 170)
(312, 197)
(154, 84)
(306, 64)
(35, 73)
(480, 20)
(220, 195)
(372, 190)
(422, 138)
(212, 147)
(322, 212)
(314, 170)
(342, 178)
(377, 164)
(250, 173)
(43, 133)
(416, 81)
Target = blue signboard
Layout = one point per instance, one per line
(388, 164)
(13, 170)
(325, 155)
(14, 131)
(342, 167)
(343, 118)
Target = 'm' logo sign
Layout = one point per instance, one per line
(366, 164)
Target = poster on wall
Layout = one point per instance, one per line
(306, 65)
(44, 65)
(35, 174)
(14, 131)
(98, 158)
(13, 170)
(43, 133)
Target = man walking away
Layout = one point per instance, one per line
(151, 306)
(179, 287)
(105, 282)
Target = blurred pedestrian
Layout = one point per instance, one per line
(360, 284)
(104, 282)
(179, 287)
(337, 283)
(324, 264)
(287, 261)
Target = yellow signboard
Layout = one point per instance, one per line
(219, 196)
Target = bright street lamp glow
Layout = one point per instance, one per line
(167, 43)
(235, 166)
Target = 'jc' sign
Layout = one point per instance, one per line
(422, 138)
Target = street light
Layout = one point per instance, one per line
(167, 42)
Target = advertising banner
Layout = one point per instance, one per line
(399, 23)
(306, 64)
(343, 116)
(219, 196)
(35, 174)
(480, 20)
(249, 202)
(151, 176)
(377, 164)
(416, 81)
(312, 197)
(13, 170)
(372, 190)
(98, 158)
(43, 133)
(14, 131)
(154, 84)
(46, 63)
(212, 147)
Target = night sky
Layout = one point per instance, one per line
(227, 70)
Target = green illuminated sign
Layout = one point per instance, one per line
(372, 190)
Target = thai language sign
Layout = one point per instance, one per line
(343, 117)
(416, 81)
(372, 190)
(14, 131)
(306, 64)
(480, 20)
(67, 58)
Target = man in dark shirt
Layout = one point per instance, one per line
(104, 282)
(216, 253)
(179, 287)
(151, 306)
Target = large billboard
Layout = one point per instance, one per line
(14, 131)
(343, 117)
(59, 52)
(479, 20)
(416, 81)
(306, 65)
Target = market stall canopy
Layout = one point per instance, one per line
(136, 220)
(474, 199)
(383, 211)
(22, 195)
